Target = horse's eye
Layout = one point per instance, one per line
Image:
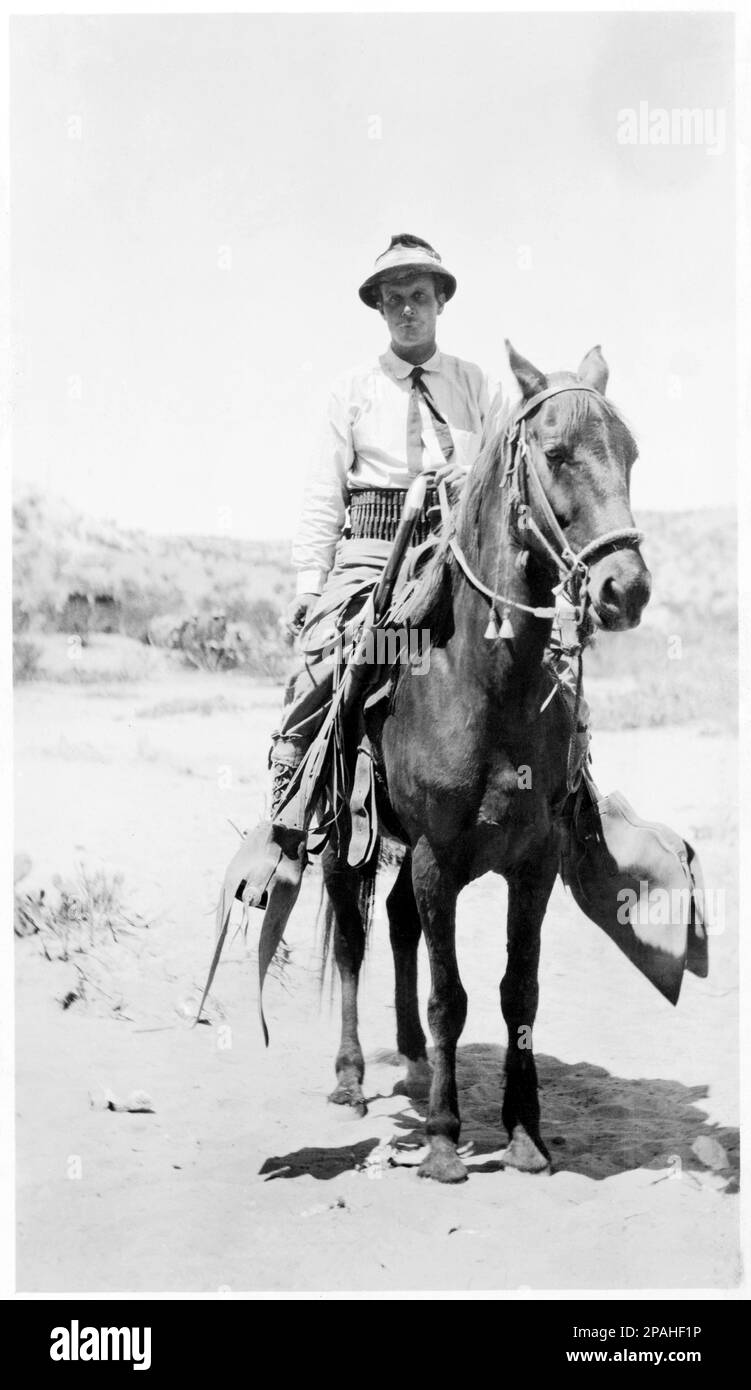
(555, 456)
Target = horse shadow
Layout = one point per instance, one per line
(318, 1163)
(594, 1123)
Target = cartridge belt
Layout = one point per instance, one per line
(374, 514)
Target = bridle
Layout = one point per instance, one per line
(572, 622)
(526, 493)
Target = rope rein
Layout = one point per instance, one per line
(493, 595)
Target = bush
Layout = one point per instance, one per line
(25, 660)
(20, 617)
(139, 603)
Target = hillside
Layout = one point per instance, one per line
(680, 665)
(58, 551)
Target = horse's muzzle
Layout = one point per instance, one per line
(619, 587)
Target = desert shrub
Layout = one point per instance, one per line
(83, 925)
(263, 649)
(139, 603)
(26, 656)
(21, 617)
(271, 660)
(75, 616)
(46, 612)
(247, 636)
(263, 616)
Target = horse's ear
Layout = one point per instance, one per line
(594, 370)
(529, 378)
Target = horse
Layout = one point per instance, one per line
(475, 755)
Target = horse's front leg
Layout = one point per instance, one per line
(349, 948)
(529, 889)
(436, 891)
(404, 931)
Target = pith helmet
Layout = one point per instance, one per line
(406, 252)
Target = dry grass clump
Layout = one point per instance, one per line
(77, 924)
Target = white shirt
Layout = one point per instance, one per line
(365, 445)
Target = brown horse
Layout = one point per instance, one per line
(475, 755)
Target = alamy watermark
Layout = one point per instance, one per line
(662, 907)
(77, 1343)
(394, 646)
(704, 126)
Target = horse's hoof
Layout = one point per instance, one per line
(523, 1154)
(417, 1082)
(419, 1079)
(443, 1163)
(350, 1093)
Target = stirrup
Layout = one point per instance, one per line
(262, 876)
(253, 867)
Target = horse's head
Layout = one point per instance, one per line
(582, 454)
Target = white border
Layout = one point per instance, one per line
(743, 301)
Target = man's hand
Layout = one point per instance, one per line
(297, 612)
(452, 474)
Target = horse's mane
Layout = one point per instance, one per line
(430, 603)
(483, 478)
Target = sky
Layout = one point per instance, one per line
(195, 200)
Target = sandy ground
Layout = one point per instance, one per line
(244, 1178)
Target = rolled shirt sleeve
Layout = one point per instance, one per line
(325, 499)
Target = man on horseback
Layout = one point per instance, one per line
(375, 444)
(480, 766)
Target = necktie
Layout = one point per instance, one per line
(414, 424)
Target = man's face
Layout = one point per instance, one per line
(410, 308)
